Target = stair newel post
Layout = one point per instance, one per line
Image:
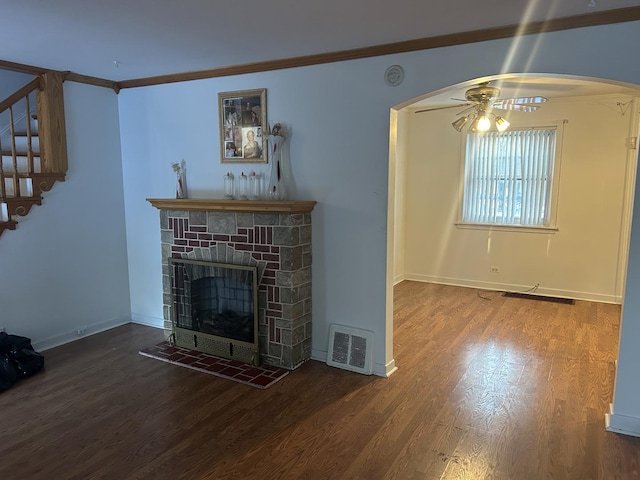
(14, 156)
(51, 124)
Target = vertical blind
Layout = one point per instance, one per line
(508, 177)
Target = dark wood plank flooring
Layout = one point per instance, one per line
(497, 388)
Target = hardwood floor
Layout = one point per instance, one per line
(497, 388)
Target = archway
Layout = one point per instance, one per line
(604, 98)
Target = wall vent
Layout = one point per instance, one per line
(350, 349)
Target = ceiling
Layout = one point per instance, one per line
(129, 39)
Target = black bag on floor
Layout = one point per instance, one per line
(19, 351)
(8, 373)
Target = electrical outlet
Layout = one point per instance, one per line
(631, 142)
(493, 269)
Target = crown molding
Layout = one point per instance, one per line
(97, 81)
(606, 17)
(70, 76)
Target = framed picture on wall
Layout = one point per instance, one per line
(243, 118)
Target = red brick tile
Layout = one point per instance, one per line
(262, 381)
(230, 371)
(208, 360)
(174, 357)
(187, 360)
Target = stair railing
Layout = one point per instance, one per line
(9, 104)
(26, 178)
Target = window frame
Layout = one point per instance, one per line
(554, 191)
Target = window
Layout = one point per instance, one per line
(509, 177)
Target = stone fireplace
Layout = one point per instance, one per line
(274, 237)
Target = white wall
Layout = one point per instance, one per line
(580, 260)
(340, 155)
(625, 409)
(12, 81)
(65, 267)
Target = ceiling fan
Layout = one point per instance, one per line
(481, 100)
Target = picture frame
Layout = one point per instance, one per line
(243, 126)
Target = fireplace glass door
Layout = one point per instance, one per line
(215, 308)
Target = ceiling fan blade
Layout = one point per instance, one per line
(440, 108)
(515, 107)
(472, 107)
(523, 100)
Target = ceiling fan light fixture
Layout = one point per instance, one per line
(460, 123)
(502, 124)
(483, 123)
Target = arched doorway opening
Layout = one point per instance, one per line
(585, 257)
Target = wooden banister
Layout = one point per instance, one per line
(20, 94)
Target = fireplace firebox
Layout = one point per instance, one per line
(215, 308)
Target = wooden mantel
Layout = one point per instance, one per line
(224, 205)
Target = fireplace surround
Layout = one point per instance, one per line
(272, 237)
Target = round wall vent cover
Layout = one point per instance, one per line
(394, 75)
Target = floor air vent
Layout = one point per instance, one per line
(350, 349)
(528, 296)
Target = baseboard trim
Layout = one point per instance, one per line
(147, 320)
(319, 355)
(506, 287)
(622, 424)
(385, 370)
(68, 337)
